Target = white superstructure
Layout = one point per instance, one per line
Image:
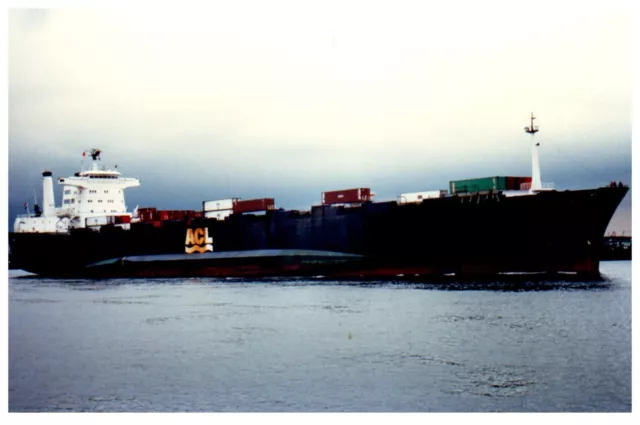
(536, 181)
(536, 185)
(90, 198)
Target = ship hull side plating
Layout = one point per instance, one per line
(476, 235)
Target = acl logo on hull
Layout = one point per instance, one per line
(198, 240)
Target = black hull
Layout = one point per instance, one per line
(480, 235)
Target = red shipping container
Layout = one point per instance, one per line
(176, 215)
(253, 205)
(122, 219)
(190, 214)
(525, 180)
(515, 183)
(163, 215)
(346, 196)
(147, 214)
(524, 183)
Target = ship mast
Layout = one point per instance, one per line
(95, 157)
(536, 181)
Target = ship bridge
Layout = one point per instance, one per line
(99, 174)
(96, 191)
(88, 194)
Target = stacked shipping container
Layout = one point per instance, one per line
(347, 196)
(488, 183)
(254, 205)
(219, 205)
(218, 215)
(223, 208)
(218, 209)
(147, 215)
(407, 198)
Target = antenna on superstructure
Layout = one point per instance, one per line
(36, 209)
(534, 128)
(95, 153)
(536, 181)
(95, 156)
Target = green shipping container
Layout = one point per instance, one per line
(478, 185)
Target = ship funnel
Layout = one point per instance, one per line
(48, 201)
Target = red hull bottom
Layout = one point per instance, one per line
(351, 271)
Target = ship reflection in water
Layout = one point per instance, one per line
(287, 345)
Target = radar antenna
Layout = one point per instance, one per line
(534, 128)
(95, 154)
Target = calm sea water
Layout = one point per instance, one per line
(315, 346)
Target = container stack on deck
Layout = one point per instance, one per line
(485, 184)
(153, 215)
(415, 197)
(347, 196)
(223, 208)
(218, 209)
(254, 205)
(147, 214)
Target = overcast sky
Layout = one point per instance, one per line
(285, 100)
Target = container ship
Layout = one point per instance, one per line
(481, 227)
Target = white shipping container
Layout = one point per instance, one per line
(97, 221)
(221, 204)
(220, 215)
(407, 198)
